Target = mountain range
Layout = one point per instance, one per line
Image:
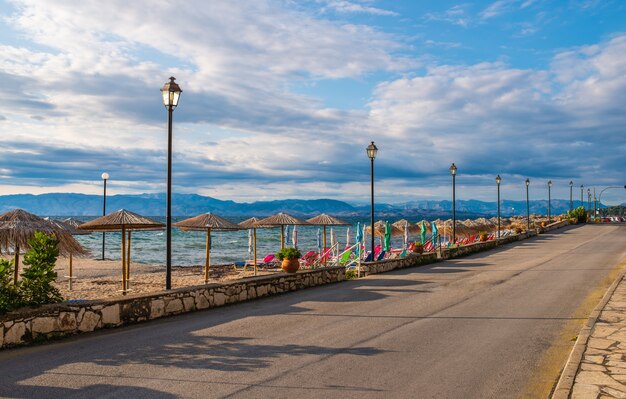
(70, 204)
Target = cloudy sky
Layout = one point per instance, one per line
(280, 98)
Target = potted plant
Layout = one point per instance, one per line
(289, 257)
(418, 248)
(483, 236)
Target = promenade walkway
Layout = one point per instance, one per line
(602, 372)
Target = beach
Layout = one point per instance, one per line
(99, 279)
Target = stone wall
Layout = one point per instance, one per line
(411, 260)
(31, 325)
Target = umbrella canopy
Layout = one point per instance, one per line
(379, 229)
(435, 233)
(70, 228)
(123, 221)
(403, 223)
(387, 238)
(249, 223)
(19, 226)
(282, 220)
(359, 237)
(326, 220)
(207, 221)
(119, 220)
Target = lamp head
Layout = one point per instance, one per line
(371, 150)
(105, 176)
(453, 169)
(549, 183)
(171, 93)
(527, 182)
(498, 180)
(571, 183)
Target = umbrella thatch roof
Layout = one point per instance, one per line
(402, 223)
(280, 219)
(121, 219)
(249, 223)
(327, 220)
(379, 229)
(206, 221)
(19, 226)
(70, 228)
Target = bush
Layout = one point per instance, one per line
(10, 297)
(580, 214)
(36, 286)
(288, 253)
(483, 236)
(350, 274)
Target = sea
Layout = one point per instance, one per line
(227, 247)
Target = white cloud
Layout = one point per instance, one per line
(344, 6)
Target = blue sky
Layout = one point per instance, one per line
(281, 97)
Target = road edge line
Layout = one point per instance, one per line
(566, 380)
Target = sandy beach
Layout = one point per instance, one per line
(98, 279)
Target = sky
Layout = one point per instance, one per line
(280, 98)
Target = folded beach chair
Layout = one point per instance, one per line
(345, 258)
(380, 256)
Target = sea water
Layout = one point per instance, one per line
(227, 247)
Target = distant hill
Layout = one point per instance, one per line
(68, 204)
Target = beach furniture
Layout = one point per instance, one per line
(326, 220)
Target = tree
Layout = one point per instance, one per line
(36, 286)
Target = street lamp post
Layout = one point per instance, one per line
(571, 203)
(498, 181)
(453, 173)
(582, 200)
(371, 153)
(549, 187)
(171, 94)
(527, 206)
(589, 199)
(105, 177)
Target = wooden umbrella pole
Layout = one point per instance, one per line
(282, 236)
(17, 263)
(324, 250)
(69, 283)
(207, 263)
(123, 260)
(254, 234)
(128, 262)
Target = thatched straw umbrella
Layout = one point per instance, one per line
(207, 221)
(123, 221)
(281, 219)
(326, 220)
(379, 229)
(19, 226)
(414, 228)
(250, 224)
(71, 226)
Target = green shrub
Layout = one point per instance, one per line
(483, 236)
(351, 274)
(10, 297)
(580, 214)
(288, 253)
(36, 286)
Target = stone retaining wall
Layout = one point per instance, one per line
(411, 260)
(31, 325)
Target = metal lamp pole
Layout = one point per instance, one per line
(371, 153)
(549, 187)
(582, 200)
(171, 94)
(498, 181)
(527, 205)
(105, 177)
(589, 199)
(571, 202)
(453, 170)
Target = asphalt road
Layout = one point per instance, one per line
(475, 327)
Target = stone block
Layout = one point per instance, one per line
(243, 296)
(111, 315)
(251, 293)
(157, 308)
(67, 321)
(174, 306)
(261, 290)
(188, 303)
(201, 302)
(219, 299)
(89, 322)
(14, 335)
(44, 325)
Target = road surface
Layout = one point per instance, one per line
(477, 327)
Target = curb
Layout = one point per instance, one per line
(565, 384)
